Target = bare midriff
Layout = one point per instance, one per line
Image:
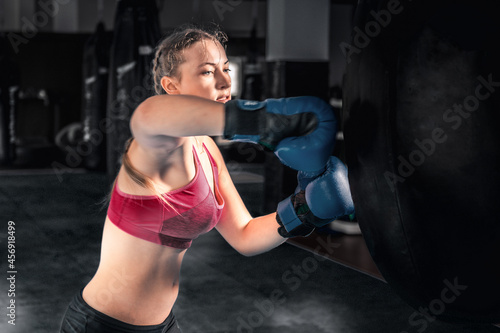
(137, 282)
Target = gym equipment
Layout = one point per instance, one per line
(136, 33)
(35, 120)
(253, 83)
(422, 143)
(9, 86)
(95, 80)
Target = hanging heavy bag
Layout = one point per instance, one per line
(422, 143)
(95, 80)
(136, 33)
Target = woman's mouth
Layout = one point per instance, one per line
(224, 98)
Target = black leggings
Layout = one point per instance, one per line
(82, 318)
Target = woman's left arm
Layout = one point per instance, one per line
(247, 235)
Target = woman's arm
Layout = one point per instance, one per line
(247, 235)
(162, 119)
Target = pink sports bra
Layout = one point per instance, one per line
(193, 210)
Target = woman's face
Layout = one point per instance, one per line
(205, 72)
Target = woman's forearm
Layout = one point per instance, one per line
(261, 235)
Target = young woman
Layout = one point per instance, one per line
(137, 281)
(173, 185)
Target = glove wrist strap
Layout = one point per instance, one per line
(243, 123)
(291, 224)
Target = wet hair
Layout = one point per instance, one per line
(169, 51)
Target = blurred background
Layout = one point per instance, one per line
(59, 101)
(71, 74)
(73, 71)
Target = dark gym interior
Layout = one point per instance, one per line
(413, 88)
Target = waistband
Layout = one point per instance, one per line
(79, 302)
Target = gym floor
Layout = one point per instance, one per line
(58, 223)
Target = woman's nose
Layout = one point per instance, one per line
(223, 80)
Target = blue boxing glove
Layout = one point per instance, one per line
(300, 130)
(317, 201)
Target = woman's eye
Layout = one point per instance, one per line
(207, 73)
(227, 70)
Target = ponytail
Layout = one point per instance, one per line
(140, 178)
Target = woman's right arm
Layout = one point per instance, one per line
(160, 120)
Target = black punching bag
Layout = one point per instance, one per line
(136, 33)
(95, 81)
(9, 86)
(422, 117)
